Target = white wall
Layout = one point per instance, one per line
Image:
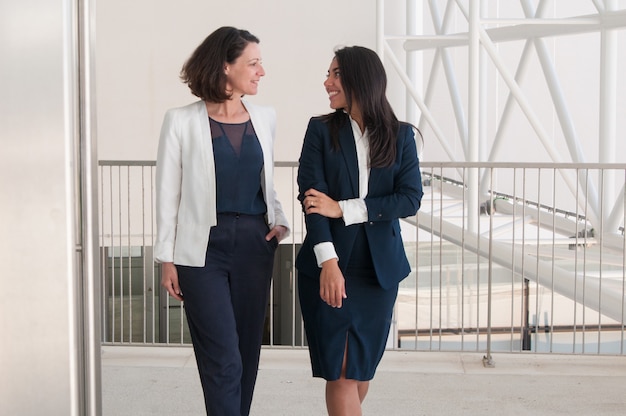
(142, 44)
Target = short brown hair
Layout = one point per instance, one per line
(204, 70)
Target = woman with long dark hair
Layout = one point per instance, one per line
(358, 174)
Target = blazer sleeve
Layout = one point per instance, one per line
(405, 184)
(311, 175)
(168, 187)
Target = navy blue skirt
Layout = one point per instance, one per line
(363, 321)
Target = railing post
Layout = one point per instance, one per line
(149, 292)
(487, 359)
(526, 340)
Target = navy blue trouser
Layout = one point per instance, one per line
(225, 302)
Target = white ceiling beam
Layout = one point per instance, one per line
(520, 29)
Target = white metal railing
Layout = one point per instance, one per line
(533, 268)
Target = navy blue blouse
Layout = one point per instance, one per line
(238, 168)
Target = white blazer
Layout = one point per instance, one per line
(185, 181)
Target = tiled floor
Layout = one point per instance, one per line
(158, 381)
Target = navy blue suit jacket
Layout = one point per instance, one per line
(394, 192)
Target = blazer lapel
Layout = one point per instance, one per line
(205, 141)
(348, 149)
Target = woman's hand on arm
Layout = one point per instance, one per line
(332, 284)
(316, 202)
(169, 280)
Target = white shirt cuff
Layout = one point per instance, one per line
(354, 211)
(324, 251)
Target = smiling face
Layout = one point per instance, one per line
(334, 88)
(243, 75)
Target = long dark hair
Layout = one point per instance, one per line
(364, 81)
(204, 70)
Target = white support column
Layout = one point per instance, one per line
(608, 114)
(87, 213)
(474, 112)
(483, 97)
(412, 68)
(380, 29)
(50, 350)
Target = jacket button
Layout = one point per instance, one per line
(371, 222)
